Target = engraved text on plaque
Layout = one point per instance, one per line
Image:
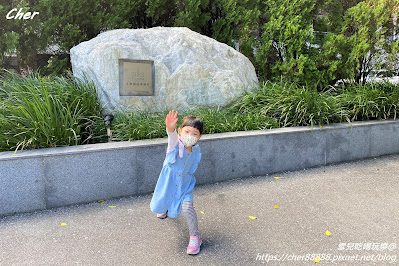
(136, 77)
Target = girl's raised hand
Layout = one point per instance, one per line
(171, 120)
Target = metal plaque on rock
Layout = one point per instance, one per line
(136, 77)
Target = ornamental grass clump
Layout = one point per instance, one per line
(293, 105)
(375, 100)
(226, 119)
(43, 112)
(141, 125)
(128, 126)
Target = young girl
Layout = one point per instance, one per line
(174, 190)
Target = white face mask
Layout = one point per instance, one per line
(188, 140)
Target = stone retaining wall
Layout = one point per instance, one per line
(48, 178)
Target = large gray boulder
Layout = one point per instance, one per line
(191, 70)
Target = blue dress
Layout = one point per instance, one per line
(176, 181)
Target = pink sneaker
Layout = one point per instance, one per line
(162, 215)
(194, 245)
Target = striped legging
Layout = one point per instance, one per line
(191, 216)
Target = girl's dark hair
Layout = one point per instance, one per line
(192, 121)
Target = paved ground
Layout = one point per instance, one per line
(357, 202)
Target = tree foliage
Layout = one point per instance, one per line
(365, 36)
(306, 41)
(19, 35)
(8, 38)
(285, 42)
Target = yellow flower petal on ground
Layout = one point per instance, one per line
(317, 259)
(63, 224)
(202, 212)
(276, 206)
(111, 207)
(328, 233)
(252, 217)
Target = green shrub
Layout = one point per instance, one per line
(293, 105)
(42, 112)
(371, 101)
(274, 105)
(226, 119)
(140, 125)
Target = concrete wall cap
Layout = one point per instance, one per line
(120, 145)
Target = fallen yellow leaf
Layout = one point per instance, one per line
(276, 206)
(101, 201)
(276, 177)
(252, 217)
(202, 212)
(63, 224)
(328, 233)
(317, 259)
(111, 206)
